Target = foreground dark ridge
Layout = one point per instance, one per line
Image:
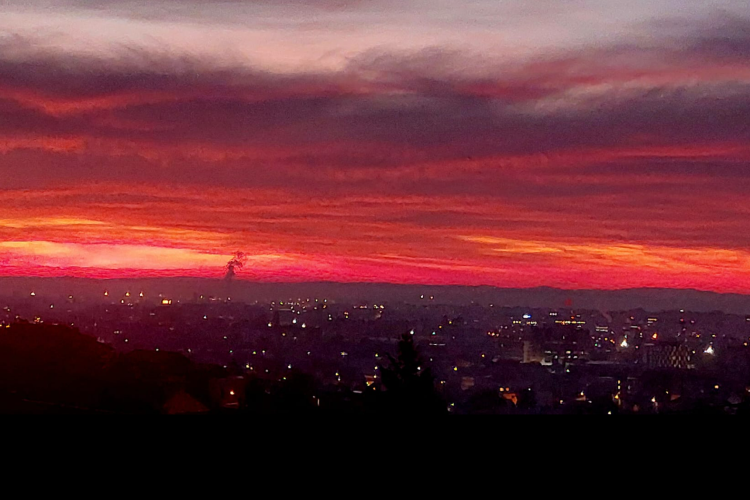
(56, 369)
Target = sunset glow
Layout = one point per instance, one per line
(476, 142)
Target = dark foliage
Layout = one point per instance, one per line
(62, 369)
(408, 382)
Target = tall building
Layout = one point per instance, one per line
(663, 354)
(533, 352)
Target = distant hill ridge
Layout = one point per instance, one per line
(650, 299)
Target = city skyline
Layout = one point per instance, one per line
(569, 144)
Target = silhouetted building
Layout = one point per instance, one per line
(562, 353)
(533, 352)
(228, 392)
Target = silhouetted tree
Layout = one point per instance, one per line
(409, 383)
(526, 399)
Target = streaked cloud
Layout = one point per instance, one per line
(587, 144)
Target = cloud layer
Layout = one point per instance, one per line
(418, 158)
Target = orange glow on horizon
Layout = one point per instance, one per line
(391, 144)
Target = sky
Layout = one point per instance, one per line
(568, 143)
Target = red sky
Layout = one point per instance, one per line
(590, 146)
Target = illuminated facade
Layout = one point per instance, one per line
(666, 355)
